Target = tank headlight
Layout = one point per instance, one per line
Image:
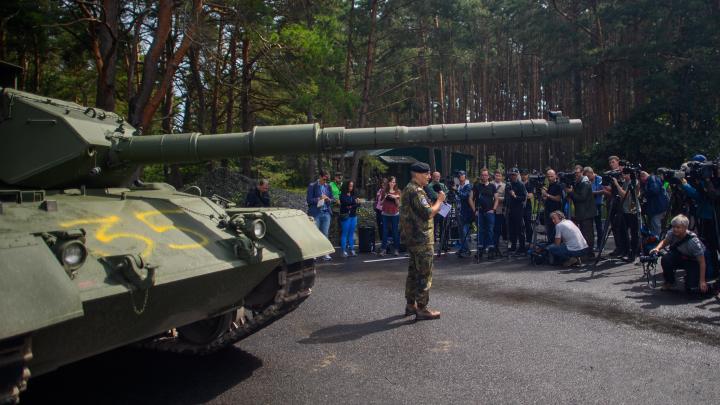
(72, 254)
(257, 229)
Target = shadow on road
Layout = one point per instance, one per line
(143, 377)
(347, 332)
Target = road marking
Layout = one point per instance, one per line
(385, 260)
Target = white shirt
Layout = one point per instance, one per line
(570, 235)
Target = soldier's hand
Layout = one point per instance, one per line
(441, 196)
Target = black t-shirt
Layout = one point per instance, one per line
(554, 189)
(484, 196)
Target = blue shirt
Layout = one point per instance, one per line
(315, 192)
(597, 186)
(464, 191)
(704, 207)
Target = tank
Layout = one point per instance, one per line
(90, 264)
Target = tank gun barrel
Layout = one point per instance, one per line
(310, 138)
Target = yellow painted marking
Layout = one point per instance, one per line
(98, 253)
(103, 236)
(144, 218)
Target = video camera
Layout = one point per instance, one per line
(611, 174)
(672, 176)
(537, 181)
(701, 170)
(649, 259)
(629, 168)
(566, 178)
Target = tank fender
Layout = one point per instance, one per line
(35, 290)
(292, 232)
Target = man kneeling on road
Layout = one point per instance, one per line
(416, 230)
(569, 243)
(685, 251)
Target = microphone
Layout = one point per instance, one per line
(436, 187)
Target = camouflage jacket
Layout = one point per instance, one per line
(416, 224)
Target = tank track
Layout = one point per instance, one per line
(15, 354)
(295, 281)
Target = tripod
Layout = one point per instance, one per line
(632, 187)
(448, 223)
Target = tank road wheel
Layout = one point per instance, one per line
(15, 354)
(278, 294)
(207, 330)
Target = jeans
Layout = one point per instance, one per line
(379, 222)
(392, 222)
(486, 225)
(655, 224)
(560, 252)
(598, 224)
(347, 238)
(464, 234)
(322, 220)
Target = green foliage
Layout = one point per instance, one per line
(665, 53)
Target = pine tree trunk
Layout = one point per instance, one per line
(365, 105)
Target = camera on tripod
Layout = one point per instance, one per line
(537, 181)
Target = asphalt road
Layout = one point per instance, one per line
(509, 333)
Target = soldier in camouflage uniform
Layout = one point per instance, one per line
(416, 230)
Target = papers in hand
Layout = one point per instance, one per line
(320, 203)
(444, 209)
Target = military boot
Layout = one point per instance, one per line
(426, 313)
(410, 309)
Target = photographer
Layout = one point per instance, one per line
(628, 200)
(258, 196)
(701, 192)
(464, 193)
(500, 225)
(656, 199)
(569, 244)
(584, 203)
(552, 195)
(598, 191)
(615, 212)
(685, 251)
(484, 204)
(515, 199)
(436, 184)
(527, 211)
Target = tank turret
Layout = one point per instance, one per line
(73, 145)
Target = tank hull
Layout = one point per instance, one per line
(190, 268)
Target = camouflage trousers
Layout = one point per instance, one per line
(419, 278)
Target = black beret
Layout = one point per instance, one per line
(420, 167)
